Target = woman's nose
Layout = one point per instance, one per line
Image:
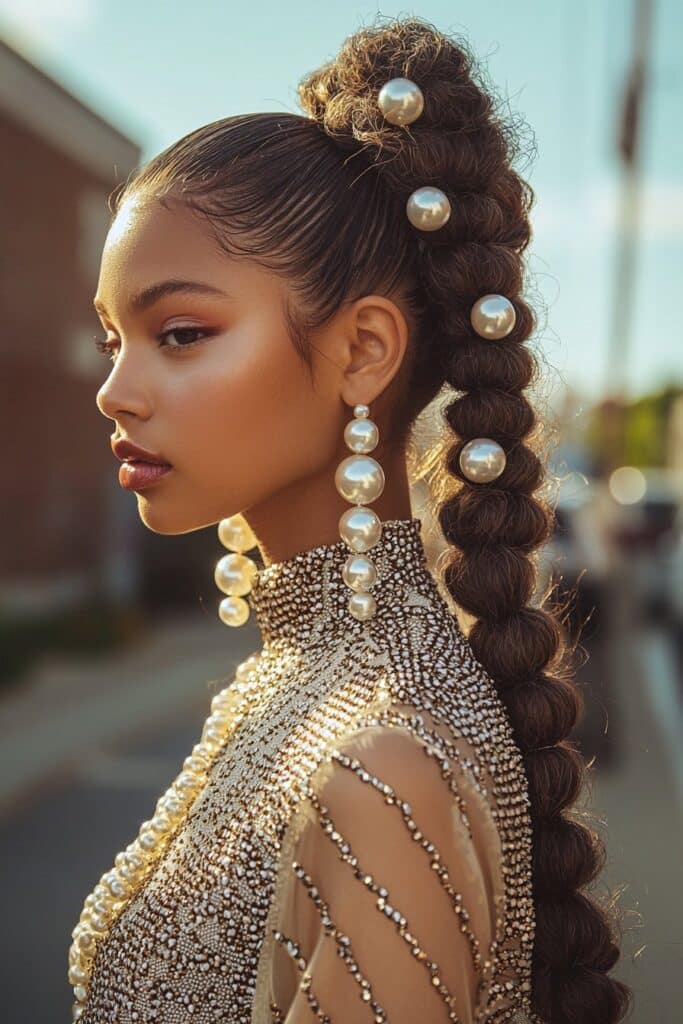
(123, 391)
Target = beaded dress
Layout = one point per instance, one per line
(361, 850)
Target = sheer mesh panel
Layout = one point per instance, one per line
(392, 895)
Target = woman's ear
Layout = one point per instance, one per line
(374, 339)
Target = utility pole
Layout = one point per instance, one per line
(630, 153)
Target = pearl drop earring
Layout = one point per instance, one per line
(360, 479)
(234, 573)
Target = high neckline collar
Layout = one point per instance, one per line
(305, 596)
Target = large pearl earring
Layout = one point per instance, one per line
(234, 573)
(360, 479)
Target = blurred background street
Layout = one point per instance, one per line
(110, 643)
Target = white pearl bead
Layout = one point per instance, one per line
(86, 942)
(362, 606)
(219, 719)
(400, 100)
(212, 737)
(116, 885)
(361, 435)
(233, 611)
(360, 528)
(101, 893)
(359, 572)
(187, 782)
(172, 805)
(221, 702)
(493, 316)
(482, 460)
(77, 975)
(161, 823)
(246, 667)
(149, 841)
(235, 533)
(234, 574)
(428, 208)
(129, 874)
(99, 923)
(195, 762)
(360, 479)
(103, 907)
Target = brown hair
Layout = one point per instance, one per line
(322, 200)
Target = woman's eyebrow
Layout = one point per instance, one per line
(148, 296)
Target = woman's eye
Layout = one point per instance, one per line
(182, 331)
(189, 334)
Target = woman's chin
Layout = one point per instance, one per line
(167, 521)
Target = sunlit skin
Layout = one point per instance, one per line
(245, 427)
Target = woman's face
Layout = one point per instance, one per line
(235, 413)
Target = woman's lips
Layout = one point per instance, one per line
(134, 476)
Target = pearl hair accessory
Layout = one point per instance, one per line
(493, 316)
(401, 101)
(482, 460)
(360, 479)
(117, 887)
(234, 573)
(428, 208)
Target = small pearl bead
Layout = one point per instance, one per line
(362, 606)
(359, 572)
(196, 763)
(233, 611)
(361, 435)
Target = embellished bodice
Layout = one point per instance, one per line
(282, 855)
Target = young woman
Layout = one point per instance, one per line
(374, 825)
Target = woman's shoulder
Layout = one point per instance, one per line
(396, 865)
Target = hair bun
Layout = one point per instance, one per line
(342, 94)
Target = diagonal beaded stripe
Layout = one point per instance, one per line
(383, 904)
(343, 946)
(390, 797)
(118, 886)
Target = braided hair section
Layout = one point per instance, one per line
(493, 521)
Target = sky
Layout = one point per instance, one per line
(158, 70)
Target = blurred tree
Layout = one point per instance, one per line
(643, 424)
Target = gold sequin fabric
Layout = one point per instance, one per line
(361, 850)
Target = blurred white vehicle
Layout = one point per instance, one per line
(580, 550)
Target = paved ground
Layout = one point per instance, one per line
(87, 755)
(68, 708)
